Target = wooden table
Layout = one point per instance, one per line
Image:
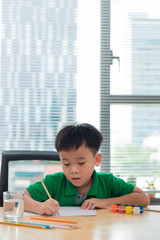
(105, 226)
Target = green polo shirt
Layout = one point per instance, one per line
(104, 185)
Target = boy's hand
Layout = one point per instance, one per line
(92, 203)
(48, 207)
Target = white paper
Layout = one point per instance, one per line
(67, 211)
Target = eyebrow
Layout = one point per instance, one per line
(64, 159)
(79, 158)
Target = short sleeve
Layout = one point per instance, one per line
(37, 192)
(52, 183)
(119, 187)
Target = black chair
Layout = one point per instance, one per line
(10, 156)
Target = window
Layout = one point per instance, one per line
(130, 90)
(50, 57)
(93, 61)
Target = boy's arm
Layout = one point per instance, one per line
(48, 207)
(137, 197)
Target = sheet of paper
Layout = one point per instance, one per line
(68, 211)
(154, 207)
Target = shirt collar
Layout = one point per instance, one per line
(71, 190)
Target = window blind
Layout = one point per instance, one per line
(49, 58)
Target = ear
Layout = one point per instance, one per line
(98, 159)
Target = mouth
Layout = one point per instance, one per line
(75, 179)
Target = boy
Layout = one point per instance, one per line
(79, 184)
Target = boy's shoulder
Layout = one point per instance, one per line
(55, 179)
(108, 177)
(115, 184)
(105, 175)
(56, 175)
(51, 178)
(102, 176)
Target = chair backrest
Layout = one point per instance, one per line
(9, 157)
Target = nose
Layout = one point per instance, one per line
(74, 169)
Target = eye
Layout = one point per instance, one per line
(66, 164)
(81, 163)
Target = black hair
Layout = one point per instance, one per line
(73, 136)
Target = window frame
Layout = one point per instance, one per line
(106, 98)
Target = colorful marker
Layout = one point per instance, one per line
(114, 208)
(121, 209)
(127, 209)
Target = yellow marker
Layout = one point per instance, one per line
(129, 209)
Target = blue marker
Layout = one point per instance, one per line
(141, 209)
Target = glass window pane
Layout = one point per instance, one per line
(50, 55)
(135, 143)
(135, 38)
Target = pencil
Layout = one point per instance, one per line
(52, 219)
(151, 210)
(46, 190)
(30, 223)
(45, 187)
(24, 225)
(70, 227)
(46, 226)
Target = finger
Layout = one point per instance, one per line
(56, 209)
(93, 206)
(87, 204)
(53, 203)
(54, 206)
(51, 210)
(84, 205)
(48, 211)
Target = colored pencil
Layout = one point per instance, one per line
(52, 219)
(24, 225)
(151, 210)
(30, 223)
(46, 190)
(45, 187)
(46, 226)
(69, 227)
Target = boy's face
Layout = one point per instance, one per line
(78, 166)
